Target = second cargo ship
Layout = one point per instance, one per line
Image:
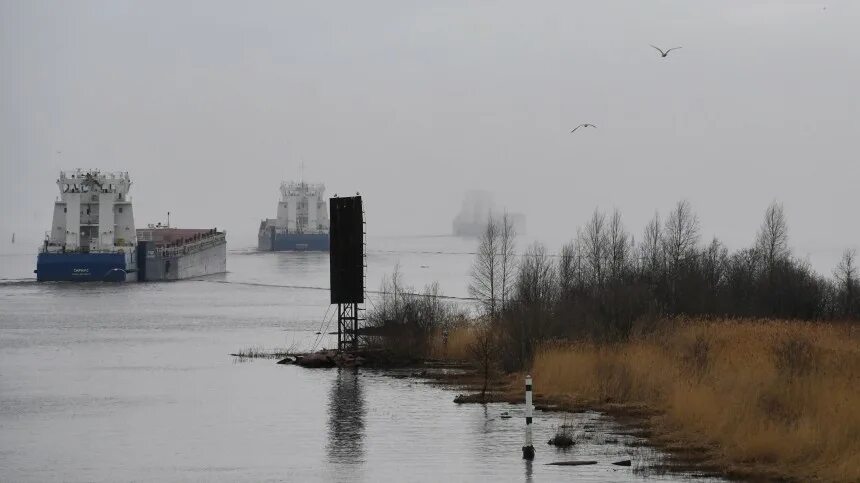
(302, 220)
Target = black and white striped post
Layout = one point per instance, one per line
(529, 449)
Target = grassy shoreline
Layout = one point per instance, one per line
(748, 398)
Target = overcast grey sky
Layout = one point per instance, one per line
(209, 104)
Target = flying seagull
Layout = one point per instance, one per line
(583, 125)
(664, 54)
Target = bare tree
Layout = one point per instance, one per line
(772, 239)
(681, 234)
(537, 279)
(483, 350)
(569, 266)
(409, 319)
(536, 296)
(618, 241)
(714, 265)
(389, 306)
(486, 269)
(396, 286)
(651, 249)
(846, 277)
(594, 242)
(680, 237)
(508, 262)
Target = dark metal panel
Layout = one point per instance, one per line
(346, 250)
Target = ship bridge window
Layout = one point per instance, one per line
(64, 210)
(120, 209)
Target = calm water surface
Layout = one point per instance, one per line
(106, 382)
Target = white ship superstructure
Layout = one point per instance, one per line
(302, 220)
(302, 208)
(93, 214)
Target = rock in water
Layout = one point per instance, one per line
(561, 441)
(317, 359)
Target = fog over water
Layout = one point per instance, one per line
(209, 104)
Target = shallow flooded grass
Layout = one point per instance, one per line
(259, 352)
(566, 434)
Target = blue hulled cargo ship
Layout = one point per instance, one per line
(85, 267)
(302, 222)
(92, 236)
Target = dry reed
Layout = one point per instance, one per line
(767, 397)
(259, 352)
(456, 346)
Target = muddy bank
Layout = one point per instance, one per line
(636, 420)
(379, 359)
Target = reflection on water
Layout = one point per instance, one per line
(346, 418)
(528, 465)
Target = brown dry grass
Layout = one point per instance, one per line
(457, 346)
(766, 397)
